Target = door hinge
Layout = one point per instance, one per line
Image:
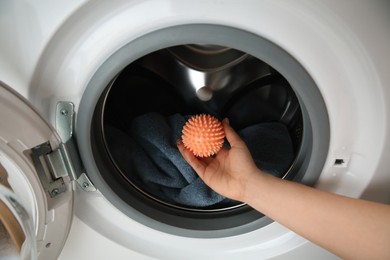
(54, 166)
(48, 170)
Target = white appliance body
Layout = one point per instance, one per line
(52, 51)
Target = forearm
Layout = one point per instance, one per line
(348, 227)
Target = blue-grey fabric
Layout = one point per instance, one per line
(270, 146)
(148, 156)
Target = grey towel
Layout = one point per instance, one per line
(148, 156)
(270, 146)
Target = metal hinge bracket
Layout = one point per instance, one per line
(54, 166)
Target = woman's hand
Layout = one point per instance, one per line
(230, 170)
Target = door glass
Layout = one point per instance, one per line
(17, 239)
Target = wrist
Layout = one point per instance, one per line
(254, 185)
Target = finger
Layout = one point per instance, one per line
(198, 166)
(231, 135)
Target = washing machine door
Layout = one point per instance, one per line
(36, 183)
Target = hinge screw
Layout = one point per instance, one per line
(85, 184)
(64, 112)
(55, 192)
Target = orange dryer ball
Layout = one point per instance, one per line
(203, 135)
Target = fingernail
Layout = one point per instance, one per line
(226, 120)
(178, 141)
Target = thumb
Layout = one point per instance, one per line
(231, 135)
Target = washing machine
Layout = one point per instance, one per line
(76, 76)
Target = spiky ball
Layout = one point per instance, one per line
(203, 135)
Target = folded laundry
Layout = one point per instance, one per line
(147, 155)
